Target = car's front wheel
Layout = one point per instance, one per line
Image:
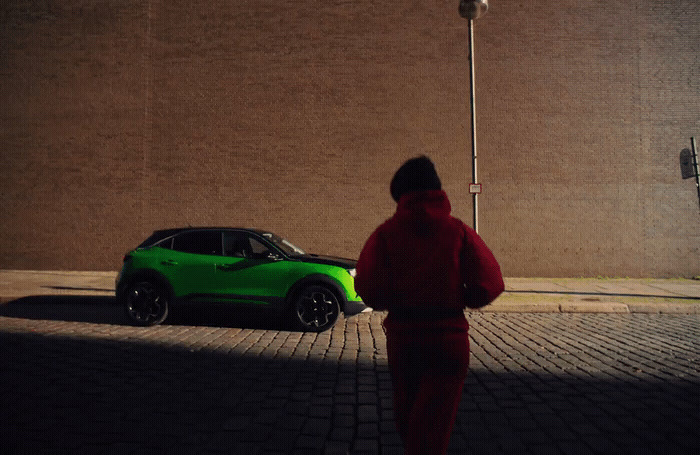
(146, 303)
(315, 308)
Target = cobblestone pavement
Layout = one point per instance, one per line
(76, 379)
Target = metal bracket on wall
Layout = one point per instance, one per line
(689, 165)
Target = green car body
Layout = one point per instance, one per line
(236, 266)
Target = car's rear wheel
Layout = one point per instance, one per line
(315, 308)
(146, 303)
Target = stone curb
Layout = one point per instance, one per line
(593, 307)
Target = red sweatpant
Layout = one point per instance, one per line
(428, 370)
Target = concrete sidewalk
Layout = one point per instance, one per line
(599, 295)
(525, 295)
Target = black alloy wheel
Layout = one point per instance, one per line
(315, 308)
(146, 303)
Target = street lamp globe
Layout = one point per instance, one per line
(473, 9)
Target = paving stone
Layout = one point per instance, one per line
(345, 434)
(344, 420)
(367, 413)
(365, 446)
(336, 448)
(316, 427)
(309, 444)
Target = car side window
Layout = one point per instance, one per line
(260, 250)
(236, 244)
(198, 242)
(167, 243)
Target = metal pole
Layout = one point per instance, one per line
(472, 97)
(695, 163)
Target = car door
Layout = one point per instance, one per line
(252, 271)
(191, 265)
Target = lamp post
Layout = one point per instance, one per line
(470, 10)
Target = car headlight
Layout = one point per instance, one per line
(352, 272)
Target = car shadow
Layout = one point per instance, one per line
(105, 310)
(75, 308)
(223, 315)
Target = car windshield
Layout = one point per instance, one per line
(283, 244)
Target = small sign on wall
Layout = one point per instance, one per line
(475, 188)
(687, 164)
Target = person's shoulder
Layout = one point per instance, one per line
(458, 224)
(383, 228)
(467, 233)
(390, 223)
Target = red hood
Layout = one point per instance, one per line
(423, 206)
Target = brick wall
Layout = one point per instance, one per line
(124, 116)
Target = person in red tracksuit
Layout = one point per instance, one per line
(425, 266)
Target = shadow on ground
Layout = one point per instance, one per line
(105, 310)
(65, 394)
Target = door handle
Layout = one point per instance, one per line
(168, 262)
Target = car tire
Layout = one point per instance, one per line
(315, 308)
(146, 303)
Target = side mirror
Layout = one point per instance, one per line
(273, 256)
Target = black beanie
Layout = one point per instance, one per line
(416, 174)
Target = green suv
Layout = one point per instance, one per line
(237, 266)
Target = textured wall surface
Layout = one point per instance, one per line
(118, 117)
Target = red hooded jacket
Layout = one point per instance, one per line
(424, 260)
